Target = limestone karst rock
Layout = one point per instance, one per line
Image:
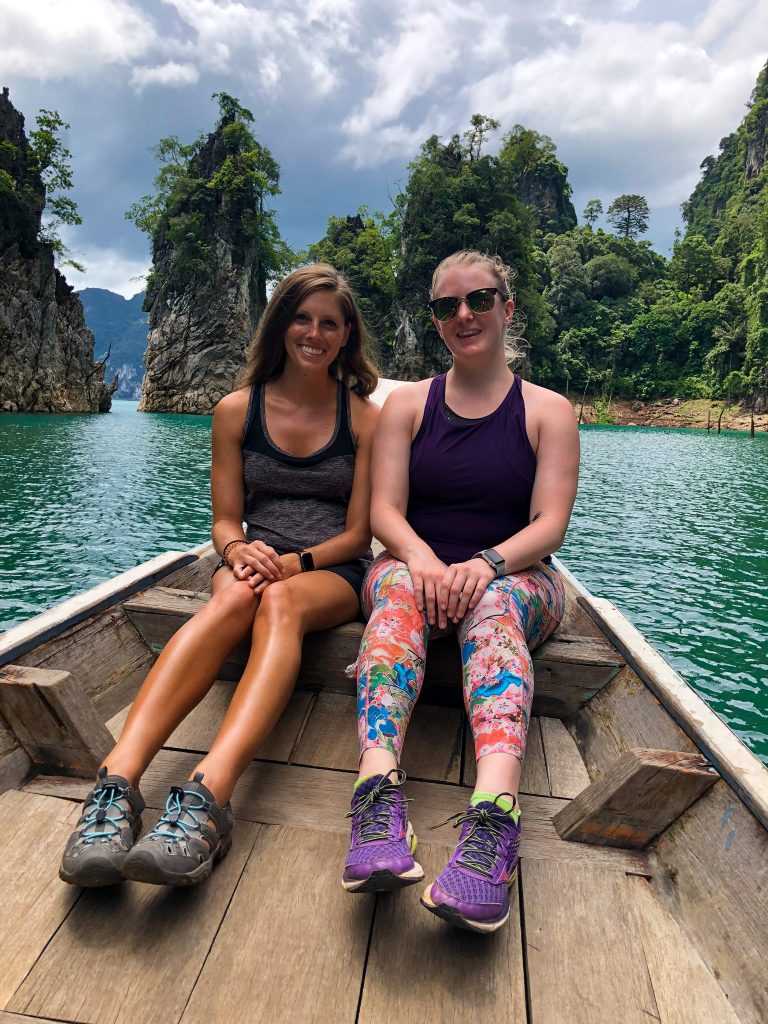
(46, 350)
(200, 323)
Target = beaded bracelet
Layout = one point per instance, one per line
(228, 546)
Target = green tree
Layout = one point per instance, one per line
(51, 160)
(629, 214)
(225, 176)
(592, 211)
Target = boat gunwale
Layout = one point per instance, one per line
(737, 765)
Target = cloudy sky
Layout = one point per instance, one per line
(635, 93)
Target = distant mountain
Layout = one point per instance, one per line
(120, 327)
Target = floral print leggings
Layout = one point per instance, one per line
(514, 615)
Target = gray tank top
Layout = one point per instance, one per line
(294, 502)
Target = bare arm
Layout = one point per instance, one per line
(391, 457)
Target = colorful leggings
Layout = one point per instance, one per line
(514, 615)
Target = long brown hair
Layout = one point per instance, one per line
(265, 356)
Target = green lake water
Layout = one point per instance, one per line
(670, 525)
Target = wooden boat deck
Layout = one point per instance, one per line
(673, 933)
(272, 936)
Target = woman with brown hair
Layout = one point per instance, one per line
(290, 459)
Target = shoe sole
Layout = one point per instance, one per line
(385, 881)
(94, 875)
(452, 916)
(142, 867)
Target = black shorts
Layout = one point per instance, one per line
(352, 572)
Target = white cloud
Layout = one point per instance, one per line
(108, 268)
(49, 39)
(169, 73)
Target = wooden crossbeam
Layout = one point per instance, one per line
(569, 670)
(53, 720)
(640, 795)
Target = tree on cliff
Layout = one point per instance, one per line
(228, 173)
(629, 215)
(35, 177)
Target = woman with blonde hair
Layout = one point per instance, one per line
(290, 458)
(474, 479)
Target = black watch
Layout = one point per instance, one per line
(306, 561)
(494, 559)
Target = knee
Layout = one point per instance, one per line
(280, 604)
(235, 600)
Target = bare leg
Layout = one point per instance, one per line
(183, 674)
(289, 609)
(498, 773)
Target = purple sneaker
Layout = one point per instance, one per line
(381, 852)
(472, 891)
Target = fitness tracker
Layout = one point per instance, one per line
(306, 561)
(494, 559)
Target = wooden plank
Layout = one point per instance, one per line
(684, 988)
(421, 969)
(276, 794)
(644, 792)
(566, 770)
(585, 958)
(14, 767)
(712, 874)
(569, 670)
(33, 901)
(623, 716)
(432, 747)
(17, 1018)
(63, 616)
(533, 777)
(292, 946)
(198, 730)
(106, 656)
(53, 720)
(131, 954)
(732, 759)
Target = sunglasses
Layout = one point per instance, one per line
(479, 301)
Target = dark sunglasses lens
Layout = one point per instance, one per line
(444, 309)
(481, 301)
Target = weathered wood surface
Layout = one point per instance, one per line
(733, 760)
(35, 631)
(106, 656)
(53, 720)
(643, 793)
(623, 716)
(685, 990)
(14, 761)
(712, 874)
(565, 767)
(586, 963)
(432, 749)
(568, 670)
(131, 954)
(420, 969)
(292, 946)
(33, 901)
(533, 777)
(199, 728)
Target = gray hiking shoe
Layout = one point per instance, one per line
(106, 831)
(182, 848)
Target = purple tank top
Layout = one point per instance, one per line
(470, 484)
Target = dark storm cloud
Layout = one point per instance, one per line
(635, 94)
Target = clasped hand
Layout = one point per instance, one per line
(258, 565)
(447, 592)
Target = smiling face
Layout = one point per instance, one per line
(472, 335)
(316, 332)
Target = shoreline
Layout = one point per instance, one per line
(668, 412)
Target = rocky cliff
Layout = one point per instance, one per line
(46, 350)
(201, 321)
